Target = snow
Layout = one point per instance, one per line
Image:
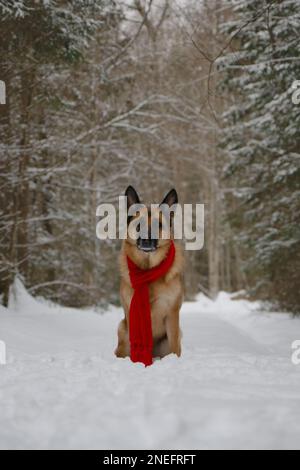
(234, 386)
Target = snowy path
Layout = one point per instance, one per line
(234, 387)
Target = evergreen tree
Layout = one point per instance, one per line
(262, 143)
(39, 40)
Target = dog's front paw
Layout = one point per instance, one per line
(120, 352)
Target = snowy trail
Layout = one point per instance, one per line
(234, 387)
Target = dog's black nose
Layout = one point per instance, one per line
(147, 244)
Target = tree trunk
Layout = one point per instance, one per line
(23, 189)
(5, 273)
(213, 243)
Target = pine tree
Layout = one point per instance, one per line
(38, 41)
(262, 143)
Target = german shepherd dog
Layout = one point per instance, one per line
(166, 293)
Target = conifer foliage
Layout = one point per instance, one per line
(261, 141)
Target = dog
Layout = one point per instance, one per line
(165, 293)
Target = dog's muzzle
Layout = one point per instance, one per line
(147, 244)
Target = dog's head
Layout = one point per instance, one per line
(155, 224)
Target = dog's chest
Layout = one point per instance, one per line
(162, 299)
(161, 294)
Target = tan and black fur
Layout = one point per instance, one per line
(166, 294)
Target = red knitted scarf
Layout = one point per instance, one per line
(140, 328)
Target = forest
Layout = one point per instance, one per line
(199, 95)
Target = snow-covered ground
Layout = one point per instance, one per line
(234, 386)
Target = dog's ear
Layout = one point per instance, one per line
(132, 196)
(171, 198)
